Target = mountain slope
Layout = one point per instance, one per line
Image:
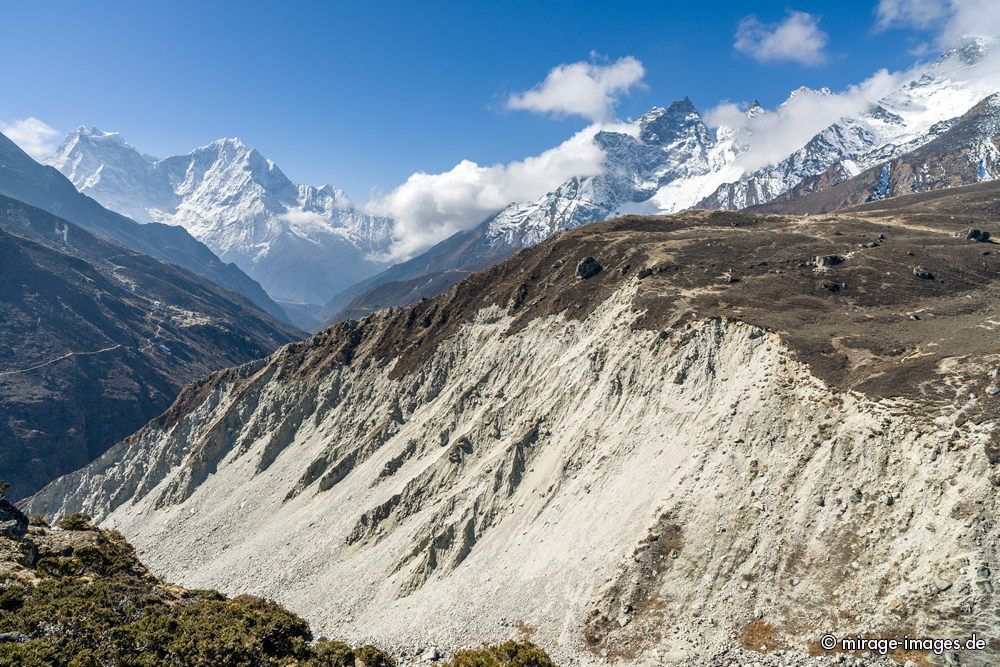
(302, 243)
(24, 179)
(968, 151)
(96, 339)
(712, 431)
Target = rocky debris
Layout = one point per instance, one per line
(588, 267)
(645, 272)
(13, 522)
(740, 657)
(13, 638)
(922, 273)
(432, 654)
(993, 390)
(735, 451)
(977, 235)
(870, 244)
(828, 260)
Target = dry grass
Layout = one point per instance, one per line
(762, 637)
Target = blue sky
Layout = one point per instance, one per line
(363, 94)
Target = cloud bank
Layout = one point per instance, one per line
(35, 137)
(796, 39)
(431, 207)
(952, 20)
(581, 89)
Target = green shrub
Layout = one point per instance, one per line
(369, 656)
(508, 654)
(76, 521)
(332, 654)
(38, 520)
(100, 607)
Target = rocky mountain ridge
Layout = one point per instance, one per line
(637, 438)
(964, 150)
(98, 338)
(914, 114)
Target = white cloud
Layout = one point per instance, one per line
(581, 89)
(777, 133)
(796, 39)
(431, 207)
(915, 13)
(35, 137)
(953, 20)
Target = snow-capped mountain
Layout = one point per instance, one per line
(664, 161)
(966, 150)
(667, 150)
(914, 114)
(302, 243)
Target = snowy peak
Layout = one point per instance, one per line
(303, 243)
(227, 171)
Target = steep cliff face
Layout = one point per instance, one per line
(715, 429)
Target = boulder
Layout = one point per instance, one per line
(921, 272)
(588, 268)
(977, 235)
(13, 523)
(828, 260)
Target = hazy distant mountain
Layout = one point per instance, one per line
(302, 243)
(28, 181)
(96, 339)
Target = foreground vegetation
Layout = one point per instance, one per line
(79, 596)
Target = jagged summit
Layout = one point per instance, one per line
(662, 126)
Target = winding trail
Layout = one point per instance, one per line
(65, 356)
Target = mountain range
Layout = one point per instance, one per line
(669, 160)
(302, 243)
(105, 319)
(25, 180)
(98, 338)
(323, 259)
